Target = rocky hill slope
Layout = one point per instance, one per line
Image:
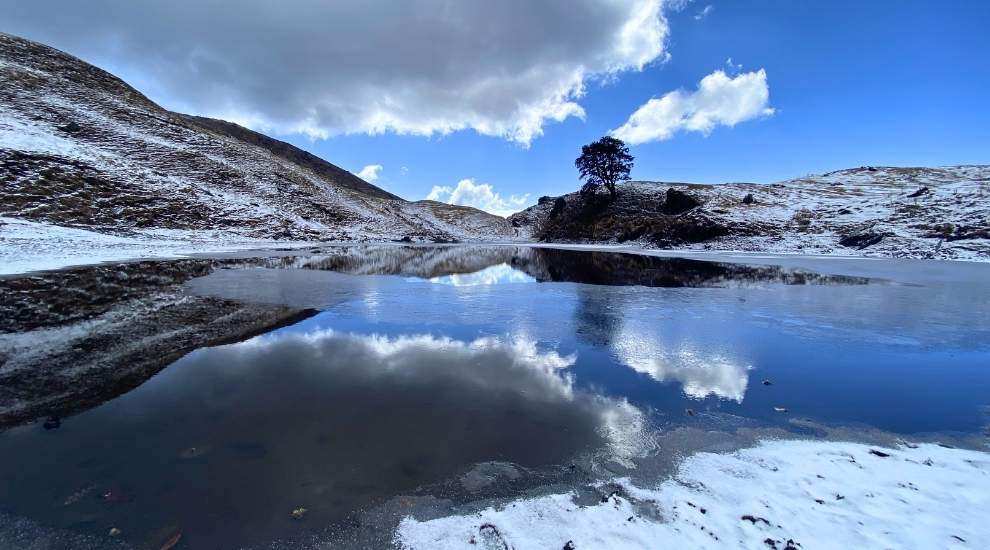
(81, 148)
(883, 211)
(92, 170)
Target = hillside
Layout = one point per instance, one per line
(81, 148)
(878, 211)
(92, 170)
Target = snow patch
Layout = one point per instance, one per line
(817, 493)
(27, 246)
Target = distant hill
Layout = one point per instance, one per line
(885, 211)
(79, 147)
(90, 168)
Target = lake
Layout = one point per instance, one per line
(427, 379)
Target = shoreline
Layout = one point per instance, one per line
(28, 247)
(790, 493)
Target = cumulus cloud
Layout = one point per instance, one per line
(323, 68)
(370, 172)
(478, 195)
(720, 100)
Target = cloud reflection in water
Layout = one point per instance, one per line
(700, 374)
(496, 274)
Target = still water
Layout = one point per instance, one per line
(428, 377)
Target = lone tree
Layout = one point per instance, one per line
(604, 162)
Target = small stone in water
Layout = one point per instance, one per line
(298, 513)
(114, 532)
(780, 409)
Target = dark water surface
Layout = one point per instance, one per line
(424, 362)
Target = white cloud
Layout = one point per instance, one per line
(321, 68)
(704, 12)
(478, 195)
(370, 172)
(404, 170)
(677, 5)
(720, 100)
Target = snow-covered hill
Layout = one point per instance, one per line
(80, 148)
(878, 211)
(91, 170)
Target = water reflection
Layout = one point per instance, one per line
(410, 388)
(699, 375)
(610, 268)
(491, 263)
(328, 421)
(598, 315)
(496, 274)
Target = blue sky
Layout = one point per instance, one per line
(853, 83)
(849, 83)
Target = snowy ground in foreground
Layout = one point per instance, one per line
(33, 246)
(818, 494)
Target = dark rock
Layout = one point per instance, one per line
(881, 454)
(570, 545)
(70, 128)
(691, 228)
(679, 202)
(748, 199)
(964, 232)
(919, 192)
(544, 199)
(861, 240)
(632, 234)
(754, 519)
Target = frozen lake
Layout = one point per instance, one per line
(427, 381)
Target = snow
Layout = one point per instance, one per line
(811, 215)
(20, 135)
(193, 176)
(198, 178)
(27, 246)
(821, 494)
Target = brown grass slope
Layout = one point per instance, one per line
(80, 147)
